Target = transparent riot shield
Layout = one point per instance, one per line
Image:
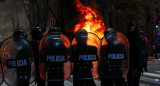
(1, 74)
(17, 62)
(114, 55)
(85, 58)
(54, 64)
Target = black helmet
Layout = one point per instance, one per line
(108, 30)
(36, 33)
(54, 30)
(111, 38)
(19, 33)
(81, 36)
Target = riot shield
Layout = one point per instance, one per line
(17, 62)
(54, 64)
(114, 55)
(85, 58)
(1, 74)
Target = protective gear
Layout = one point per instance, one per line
(84, 50)
(114, 51)
(108, 30)
(114, 63)
(85, 47)
(81, 36)
(19, 33)
(1, 75)
(17, 59)
(54, 30)
(54, 61)
(36, 33)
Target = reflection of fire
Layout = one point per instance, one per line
(89, 20)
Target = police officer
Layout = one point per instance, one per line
(17, 60)
(53, 55)
(55, 30)
(82, 67)
(112, 55)
(23, 81)
(36, 33)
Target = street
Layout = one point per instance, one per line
(150, 78)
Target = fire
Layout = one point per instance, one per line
(90, 20)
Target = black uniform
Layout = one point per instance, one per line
(135, 70)
(82, 65)
(55, 67)
(35, 46)
(24, 71)
(112, 72)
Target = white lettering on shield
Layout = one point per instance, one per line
(17, 63)
(55, 58)
(89, 57)
(116, 56)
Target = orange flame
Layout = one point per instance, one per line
(90, 20)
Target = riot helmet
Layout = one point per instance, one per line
(108, 30)
(19, 33)
(53, 60)
(36, 33)
(54, 30)
(111, 38)
(81, 36)
(114, 55)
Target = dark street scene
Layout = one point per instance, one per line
(79, 42)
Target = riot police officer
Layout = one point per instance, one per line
(55, 30)
(114, 58)
(36, 33)
(82, 55)
(54, 64)
(17, 57)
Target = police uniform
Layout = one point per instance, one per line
(36, 33)
(56, 56)
(83, 64)
(112, 72)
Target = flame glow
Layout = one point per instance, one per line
(90, 20)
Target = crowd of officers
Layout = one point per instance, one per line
(83, 74)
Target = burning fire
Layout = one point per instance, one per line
(90, 20)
